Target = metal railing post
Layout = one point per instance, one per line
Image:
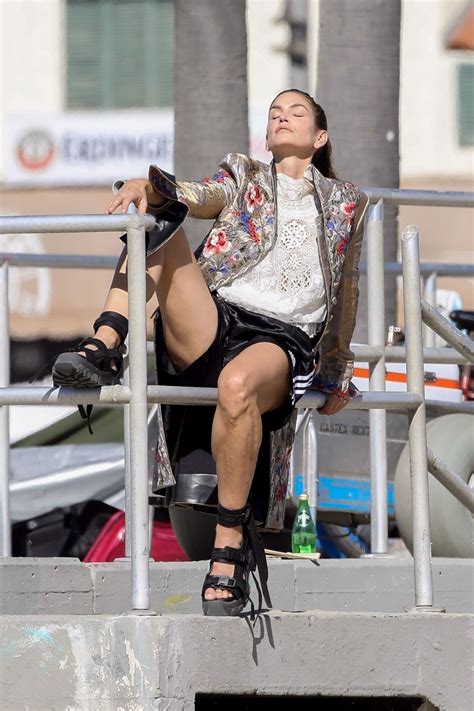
(429, 336)
(138, 414)
(377, 418)
(417, 419)
(310, 464)
(444, 328)
(5, 525)
(126, 459)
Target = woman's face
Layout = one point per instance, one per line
(291, 128)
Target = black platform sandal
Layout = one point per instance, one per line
(246, 559)
(95, 368)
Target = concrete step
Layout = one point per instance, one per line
(67, 586)
(140, 661)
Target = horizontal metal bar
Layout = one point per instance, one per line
(397, 196)
(73, 223)
(381, 401)
(434, 198)
(451, 481)
(397, 354)
(439, 268)
(59, 261)
(392, 354)
(446, 330)
(164, 394)
(108, 395)
(92, 261)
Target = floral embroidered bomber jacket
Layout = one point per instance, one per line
(241, 197)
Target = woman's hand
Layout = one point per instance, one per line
(136, 191)
(333, 404)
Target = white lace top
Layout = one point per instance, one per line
(287, 283)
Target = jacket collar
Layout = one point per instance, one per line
(323, 186)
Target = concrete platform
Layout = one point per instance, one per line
(132, 662)
(68, 641)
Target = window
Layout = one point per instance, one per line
(466, 104)
(120, 53)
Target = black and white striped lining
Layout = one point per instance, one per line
(302, 378)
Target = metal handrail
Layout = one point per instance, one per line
(424, 198)
(103, 261)
(136, 395)
(53, 224)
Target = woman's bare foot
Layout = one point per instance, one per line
(224, 537)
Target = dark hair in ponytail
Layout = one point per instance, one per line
(322, 157)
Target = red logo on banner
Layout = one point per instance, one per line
(36, 150)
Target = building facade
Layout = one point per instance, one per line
(82, 101)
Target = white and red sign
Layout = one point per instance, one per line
(86, 148)
(94, 147)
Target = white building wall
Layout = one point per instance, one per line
(428, 93)
(31, 59)
(32, 74)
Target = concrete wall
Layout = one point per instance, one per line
(51, 586)
(68, 640)
(131, 662)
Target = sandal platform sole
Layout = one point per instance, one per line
(71, 369)
(222, 608)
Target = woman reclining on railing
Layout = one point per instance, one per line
(270, 291)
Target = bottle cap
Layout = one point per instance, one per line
(303, 497)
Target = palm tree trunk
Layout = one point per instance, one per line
(210, 89)
(358, 86)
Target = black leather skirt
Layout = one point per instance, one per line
(188, 428)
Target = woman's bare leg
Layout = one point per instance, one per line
(256, 381)
(187, 309)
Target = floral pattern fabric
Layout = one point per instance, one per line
(241, 197)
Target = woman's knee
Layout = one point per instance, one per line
(236, 394)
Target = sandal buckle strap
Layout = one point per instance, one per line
(114, 320)
(235, 556)
(231, 518)
(248, 558)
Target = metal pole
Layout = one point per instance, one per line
(377, 418)
(5, 525)
(449, 479)
(70, 223)
(138, 414)
(397, 354)
(417, 420)
(59, 261)
(446, 330)
(310, 464)
(429, 336)
(164, 394)
(392, 196)
(126, 456)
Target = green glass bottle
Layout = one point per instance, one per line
(303, 533)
